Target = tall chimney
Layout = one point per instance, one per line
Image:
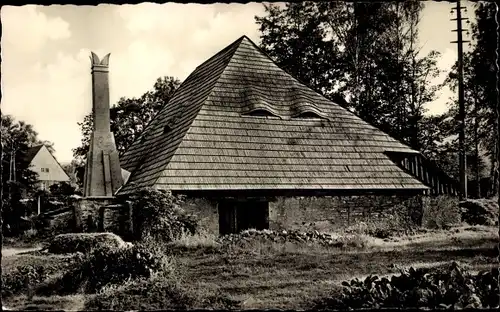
(100, 92)
(102, 170)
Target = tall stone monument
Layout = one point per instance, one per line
(102, 172)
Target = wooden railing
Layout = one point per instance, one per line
(427, 172)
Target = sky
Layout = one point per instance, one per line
(46, 67)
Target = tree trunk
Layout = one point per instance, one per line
(1, 229)
(414, 119)
(476, 146)
(497, 65)
(494, 170)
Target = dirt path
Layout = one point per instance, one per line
(9, 252)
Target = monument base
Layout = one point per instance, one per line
(87, 213)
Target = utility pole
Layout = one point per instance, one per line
(461, 100)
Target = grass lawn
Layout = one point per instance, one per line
(290, 276)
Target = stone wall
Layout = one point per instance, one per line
(305, 214)
(312, 213)
(326, 213)
(206, 211)
(85, 207)
(112, 219)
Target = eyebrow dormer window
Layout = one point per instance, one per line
(303, 105)
(256, 104)
(307, 111)
(261, 112)
(308, 115)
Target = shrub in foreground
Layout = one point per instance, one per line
(22, 278)
(108, 266)
(450, 288)
(142, 295)
(83, 242)
(160, 293)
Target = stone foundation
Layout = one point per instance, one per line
(314, 213)
(330, 213)
(87, 212)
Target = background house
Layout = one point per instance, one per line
(48, 168)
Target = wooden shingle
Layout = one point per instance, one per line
(216, 142)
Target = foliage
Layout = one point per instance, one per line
(16, 138)
(479, 211)
(362, 55)
(159, 215)
(22, 277)
(62, 189)
(14, 209)
(130, 116)
(201, 240)
(111, 265)
(83, 242)
(249, 237)
(47, 227)
(452, 287)
(441, 212)
(144, 295)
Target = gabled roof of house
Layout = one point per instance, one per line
(239, 122)
(31, 153)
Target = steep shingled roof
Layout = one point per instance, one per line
(239, 122)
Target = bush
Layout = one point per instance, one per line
(249, 237)
(106, 266)
(45, 226)
(451, 287)
(160, 216)
(479, 211)
(440, 212)
(142, 295)
(83, 242)
(22, 278)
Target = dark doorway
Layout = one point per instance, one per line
(236, 216)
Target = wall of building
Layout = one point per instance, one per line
(310, 213)
(206, 211)
(305, 214)
(330, 213)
